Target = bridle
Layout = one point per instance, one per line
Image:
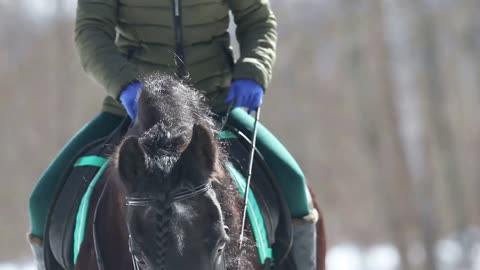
(181, 195)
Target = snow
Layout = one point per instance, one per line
(349, 256)
(19, 266)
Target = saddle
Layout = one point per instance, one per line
(61, 223)
(269, 208)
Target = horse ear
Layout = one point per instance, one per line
(201, 153)
(131, 161)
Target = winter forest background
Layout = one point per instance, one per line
(379, 100)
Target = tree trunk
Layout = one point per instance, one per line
(392, 167)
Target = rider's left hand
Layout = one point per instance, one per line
(245, 93)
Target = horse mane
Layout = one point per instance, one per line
(231, 208)
(168, 110)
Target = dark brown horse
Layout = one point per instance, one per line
(167, 201)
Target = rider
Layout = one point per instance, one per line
(119, 40)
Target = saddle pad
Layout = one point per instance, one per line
(253, 210)
(58, 240)
(67, 217)
(62, 218)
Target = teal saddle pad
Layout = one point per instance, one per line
(267, 210)
(70, 191)
(253, 211)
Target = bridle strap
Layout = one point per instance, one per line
(151, 201)
(179, 196)
(187, 194)
(134, 261)
(135, 264)
(96, 244)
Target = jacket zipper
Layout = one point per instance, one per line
(179, 51)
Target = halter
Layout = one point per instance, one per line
(183, 194)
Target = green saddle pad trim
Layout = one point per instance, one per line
(90, 161)
(286, 170)
(227, 135)
(82, 214)
(254, 214)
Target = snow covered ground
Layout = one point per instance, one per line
(351, 257)
(19, 266)
(385, 257)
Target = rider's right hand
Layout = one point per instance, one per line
(129, 99)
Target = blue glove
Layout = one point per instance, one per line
(129, 99)
(245, 93)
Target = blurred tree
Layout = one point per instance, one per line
(378, 100)
(392, 170)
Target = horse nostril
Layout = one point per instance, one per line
(227, 230)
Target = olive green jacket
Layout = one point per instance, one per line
(119, 40)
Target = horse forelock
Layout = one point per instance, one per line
(167, 111)
(170, 102)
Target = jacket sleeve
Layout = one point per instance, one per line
(257, 36)
(95, 41)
